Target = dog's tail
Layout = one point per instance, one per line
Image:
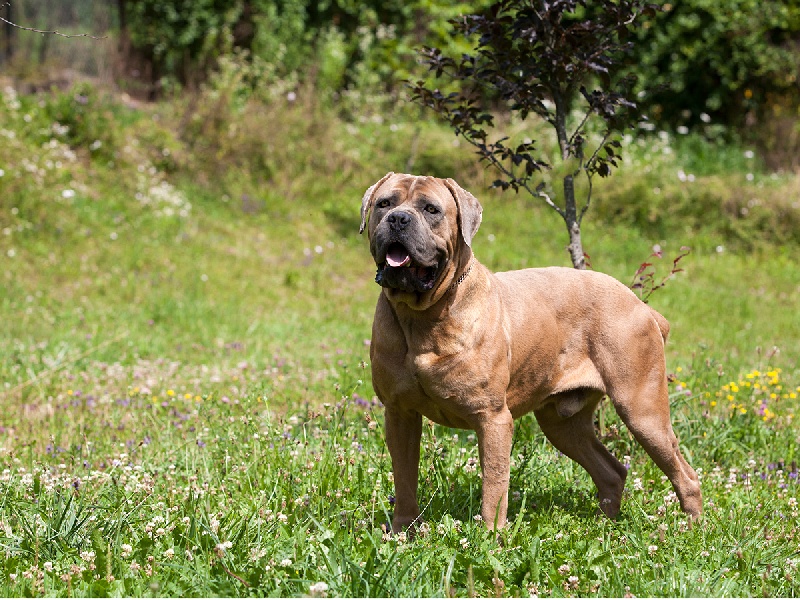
(663, 324)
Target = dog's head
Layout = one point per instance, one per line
(418, 227)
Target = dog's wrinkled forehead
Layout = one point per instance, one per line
(408, 188)
(402, 188)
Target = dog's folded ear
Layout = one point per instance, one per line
(470, 211)
(368, 200)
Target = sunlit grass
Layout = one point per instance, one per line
(168, 490)
(186, 405)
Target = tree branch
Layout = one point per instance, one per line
(66, 35)
(502, 168)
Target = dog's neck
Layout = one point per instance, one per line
(442, 326)
(463, 275)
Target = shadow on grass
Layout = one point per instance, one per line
(462, 500)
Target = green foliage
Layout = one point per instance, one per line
(345, 48)
(181, 38)
(703, 59)
(86, 116)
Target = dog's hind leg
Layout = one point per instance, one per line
(573, 434)
(645, 410)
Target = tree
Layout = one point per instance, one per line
(538, 57)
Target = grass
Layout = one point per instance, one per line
(165, 492)
(185, 399)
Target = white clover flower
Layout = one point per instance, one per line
(563, 569)
(652, 549)
(286, 562)
(572, 582)
(68, 193)
(319, 589)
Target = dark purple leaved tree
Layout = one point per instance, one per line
(560, 60)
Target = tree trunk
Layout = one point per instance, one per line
(570, 214)
(8, 51)
(575, 247)
(44, 47)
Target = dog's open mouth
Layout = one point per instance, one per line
(400, 272)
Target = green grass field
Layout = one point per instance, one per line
(185, 396)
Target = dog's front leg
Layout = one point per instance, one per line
(403, 433)
(495, 432)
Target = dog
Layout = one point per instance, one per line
(472, 349)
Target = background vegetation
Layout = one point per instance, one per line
(185, 307)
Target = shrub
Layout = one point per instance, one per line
(718, 61)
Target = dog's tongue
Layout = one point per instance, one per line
(397, 256)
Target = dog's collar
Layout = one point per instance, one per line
(464, 274)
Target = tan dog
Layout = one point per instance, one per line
(475, 350)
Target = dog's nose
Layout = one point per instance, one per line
(398, 220)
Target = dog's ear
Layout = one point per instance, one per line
(470, 211)
(369, 198)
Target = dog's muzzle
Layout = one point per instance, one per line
(400, 272)
(403, 262)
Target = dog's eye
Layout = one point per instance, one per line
(431, 209)
(382, 203)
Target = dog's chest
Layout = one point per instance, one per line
(443, 388)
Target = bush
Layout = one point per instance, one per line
(705, 60)
(87, 116)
